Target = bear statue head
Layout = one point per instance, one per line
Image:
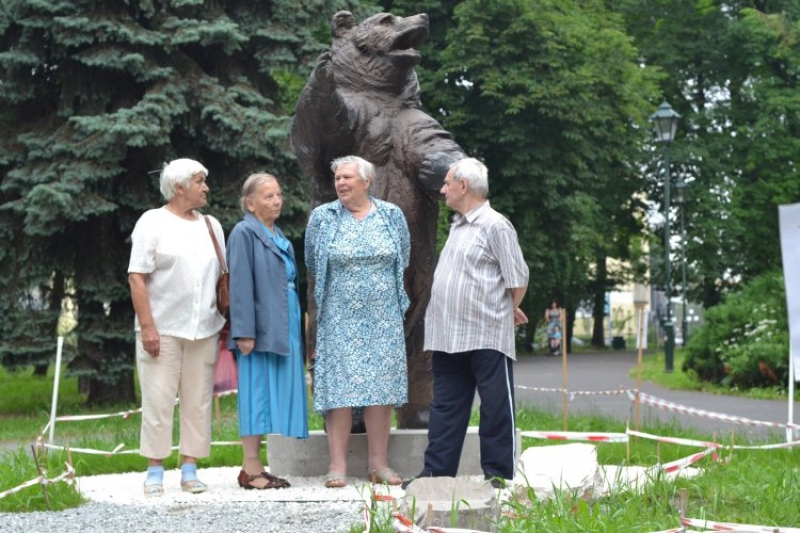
(379, 53)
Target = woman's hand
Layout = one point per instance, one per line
(245, 345)
(151, 340)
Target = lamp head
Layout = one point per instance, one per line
(665, 123)
(681, 190)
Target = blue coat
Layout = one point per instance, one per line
(259, 303)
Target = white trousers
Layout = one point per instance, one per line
(183, 369)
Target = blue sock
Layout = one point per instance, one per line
(155, 475)
(188, 472)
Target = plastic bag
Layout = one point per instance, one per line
(226, 376)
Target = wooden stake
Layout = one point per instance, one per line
(684, 495)
(71, 477)
(730, 456)
(628, 448)
(430, 515)
(217, 413)
(43, 474)
(640, 342)
(562, 317)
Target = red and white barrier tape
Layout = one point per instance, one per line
(576, 435)
(730, 526)
(574, 394)
(678, 530)
(706, 444)
(67, 476)
(616, 392)
(653, 401)
(659, 403)
(118, 450)
(673, 440)
(73, 418)
(124, 414)
(401, 524)
(768, 446)
(540, 389)
(679, 464)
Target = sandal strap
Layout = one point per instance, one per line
(386, 475)
(272, 481)
(275, 478)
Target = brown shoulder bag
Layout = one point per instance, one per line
(223, 283)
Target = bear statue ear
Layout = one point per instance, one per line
(342, 22)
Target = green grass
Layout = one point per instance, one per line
(757, 487)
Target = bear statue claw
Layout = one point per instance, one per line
(433, 169)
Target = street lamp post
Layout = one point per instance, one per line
(665, 123)
(681, 189)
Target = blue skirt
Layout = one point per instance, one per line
(273, 398)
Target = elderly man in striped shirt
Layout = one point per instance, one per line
(479, 282)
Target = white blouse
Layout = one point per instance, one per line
(182, 267)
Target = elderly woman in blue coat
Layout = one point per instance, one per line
(265, 329)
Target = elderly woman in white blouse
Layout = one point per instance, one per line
(172, 273)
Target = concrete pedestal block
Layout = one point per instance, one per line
(309, 457)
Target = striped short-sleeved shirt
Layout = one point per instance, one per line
(471, 307)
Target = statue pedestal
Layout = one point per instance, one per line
(309, 457)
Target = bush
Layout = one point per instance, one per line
(744, 342)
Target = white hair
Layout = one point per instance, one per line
(366, 170)
(474, 172)
(179, 172)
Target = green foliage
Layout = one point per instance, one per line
(732, 74)
(552, 97)
(744, 341)
(95, 96)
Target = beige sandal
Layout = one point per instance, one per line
(386, 476)
(194, 486)
(335, 480)
(155, 490)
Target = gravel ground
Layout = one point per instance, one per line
(118, 505)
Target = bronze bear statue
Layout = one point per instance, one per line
(363, 99)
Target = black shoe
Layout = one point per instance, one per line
(497, 482)
(404, 485)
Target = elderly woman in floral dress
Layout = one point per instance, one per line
(357, 248)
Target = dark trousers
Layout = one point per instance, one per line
(456, 377)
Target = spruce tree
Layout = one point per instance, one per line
(95, 95)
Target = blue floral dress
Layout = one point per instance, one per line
(361, 355)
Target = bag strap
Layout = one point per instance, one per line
(222, 263)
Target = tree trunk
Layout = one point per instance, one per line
(121, 391)
(598, 309)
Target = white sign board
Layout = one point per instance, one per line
(641, 328)
(790, 250)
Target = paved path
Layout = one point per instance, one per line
(612, 370)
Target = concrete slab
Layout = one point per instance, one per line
(309, 457)
(564, 467)
(452, 502)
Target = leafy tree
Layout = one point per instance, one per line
(550, 95)
(732, 73)
(97, 94)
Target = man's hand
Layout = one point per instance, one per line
(520, 317)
